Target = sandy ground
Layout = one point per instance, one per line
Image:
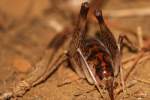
(25, 34)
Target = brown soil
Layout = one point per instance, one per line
(26, 28)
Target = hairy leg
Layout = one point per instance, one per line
(42, 69)
(58, 53)
(78, 40)
(124, 41)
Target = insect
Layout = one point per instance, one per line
(98, 59)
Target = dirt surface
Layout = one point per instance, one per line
(25, 34)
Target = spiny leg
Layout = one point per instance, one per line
(105, 35)
(138, 57)
(140, 54)
(58, 41)
(78, 42)
(58, 54)
(52, 67)
(120, 46)
(80, 31)
(34, 77)
(139, 48)
(124, 41)
(91, 75)
(78, 39)
(108, 40)
(122, 80)
(38, 76)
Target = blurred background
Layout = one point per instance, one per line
(27, 27)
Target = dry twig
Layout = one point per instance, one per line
(140, 37)
(132, 58)
(140, 55)
(128, 12)
(142, 81)
(128, 85)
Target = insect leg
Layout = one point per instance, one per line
(89, 71)
(124, 41)
(36, 76)
(58, 55)
(105, 35)
(52, 67)
(78, 39)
